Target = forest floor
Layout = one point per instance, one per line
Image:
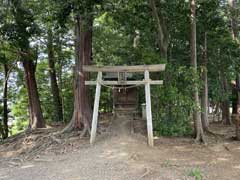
(119, 154)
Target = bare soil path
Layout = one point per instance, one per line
(120, 155)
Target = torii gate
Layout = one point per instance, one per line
(124, 69)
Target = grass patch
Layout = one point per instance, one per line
(196, 173)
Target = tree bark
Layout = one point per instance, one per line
(1, 130)
(238, 90)
(196, 114)
(234, 97)
(204, 96)
(234, 24)
(60, 85)
(225, 113)
(60, 62)
(57, 103)
(83, 53)
(5, 101)
(162, 37)
(225, 103)
(36, 118)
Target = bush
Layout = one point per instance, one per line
(172, 104)
(19, 126)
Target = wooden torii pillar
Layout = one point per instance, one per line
(124, 69)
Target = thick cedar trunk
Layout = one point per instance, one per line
(196, 114)
(5, 101)
(57, 103)
(162, 36)
(36, 118)
(204, 94)
(83, 52)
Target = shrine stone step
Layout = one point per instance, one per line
(130, 109)
(127, 113)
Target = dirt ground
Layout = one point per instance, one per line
(119, 154)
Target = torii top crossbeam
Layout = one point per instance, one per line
(124, 69)
(138, 68)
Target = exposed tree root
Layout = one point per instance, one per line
(84, 132)
(209, 132)
(68, 128)
(28, 146)
(200, 138)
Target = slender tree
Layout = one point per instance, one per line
(7, 63)
(162, 36)
(25, 28)
(196, 114)
(5, 100)
(60, 63)
(204, 94)
(225, 102)
(57, 102)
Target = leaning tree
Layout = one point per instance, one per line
(18, 27)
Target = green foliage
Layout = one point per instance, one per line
(19, 25)
(19, 126)
(106, 100)
(172, 104)
(20, 111)
(43, 82)
(67, 96)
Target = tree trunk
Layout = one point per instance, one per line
(236, 94)
(234, 21)
(163, 38)
(217, 112)
(60, 62)
(36, 118)
(196, 114)
(225, 102)
(83, 52)
(204, 95)
(1, 130)
(225, 113)
(5, 101)
(57, 103)
(234, 97)
(238, 91)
